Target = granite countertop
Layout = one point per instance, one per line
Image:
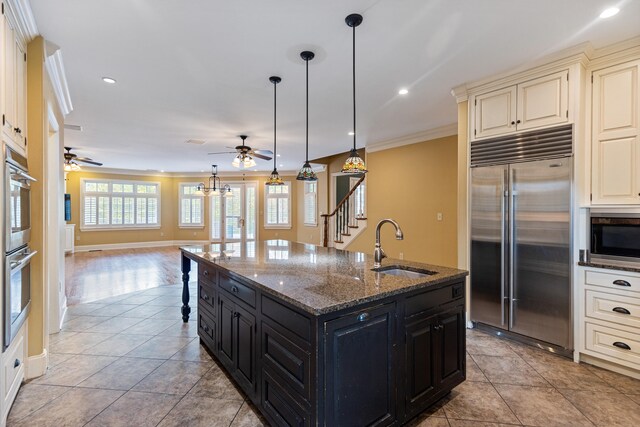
(316, 279)
(610, 266)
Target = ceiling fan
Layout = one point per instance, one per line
(71, 159)
(245, 154)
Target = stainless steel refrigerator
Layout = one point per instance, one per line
(521, 248)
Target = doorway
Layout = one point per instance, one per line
(234, 215)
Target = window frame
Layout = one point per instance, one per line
(315, 202)
(277, 196)
(182, 196)
(110, 194)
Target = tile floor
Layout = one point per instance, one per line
(131, 361)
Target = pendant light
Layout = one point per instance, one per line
(306, 173)
(274, 179)
(354, 163)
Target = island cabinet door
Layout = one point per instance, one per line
(245, 347)
(421, 353)
(452, 348)
(360, 368)
(226, 352)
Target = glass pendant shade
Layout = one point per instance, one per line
(236, 162)
(274, 179)
(306, 173)
(354, 164)
(249, 162)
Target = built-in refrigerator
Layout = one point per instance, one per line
(521, 237)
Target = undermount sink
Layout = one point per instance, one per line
(403, 271)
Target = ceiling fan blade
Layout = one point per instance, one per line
(264, 152)
(86, 160)
(224, 152)
(260, 156)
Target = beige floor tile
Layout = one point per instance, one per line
(83, 323)
(622, 383)
(474, 373)
(174, 377)
(32, 397)
(150, 327)
(425, 422)
(143, 311)
(118, 345)
(61, 335)
(113, 309)
(74, 370)
(490, 346)
(249, 416)
(160, 347)
(79, 342)
(634, 397)
(217, 385)
(122, 374)
(572, 376)
(171, 313)
(74, 408)
(202, 412)
(194, 352)
(175, 290)
(509, 370)
(138, 299)
(136, 409)
(168, 301)
(114, 325)
(466, 423)
(540, 406)
(477, 401)
(605, 409)
(57, 358)
(181, 329)
(82, 309)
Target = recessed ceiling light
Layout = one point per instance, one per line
(281, 165)
(352, 133)
(403, 91)
(109, 80)
(201, 170)
(161, 170)
(278, 155)
(608, 13)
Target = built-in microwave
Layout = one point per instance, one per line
(17, 200)
(614, 236)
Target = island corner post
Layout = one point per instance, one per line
(186, 268)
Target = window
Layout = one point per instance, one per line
(191, 205)
(310, 203)
(108, 204)
(277, 213)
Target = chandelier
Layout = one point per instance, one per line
(215, 186)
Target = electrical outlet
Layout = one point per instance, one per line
(439, 216)
(401, 256)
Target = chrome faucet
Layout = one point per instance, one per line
(378, 253)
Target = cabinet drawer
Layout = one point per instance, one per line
(207, 329)
(613, 308)
(13, 367)
(287, 359)
(288, 318)
(237, 289)
(433, 298)
(280, 408)
(207, 272)
(620, 345)
(620, 281)
(207, 297)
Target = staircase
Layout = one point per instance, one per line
(347, 220)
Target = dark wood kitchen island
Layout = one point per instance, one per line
(314, 336)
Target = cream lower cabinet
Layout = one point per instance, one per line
(615, 144)
(610, 320)
(13, 370)
(535, 103)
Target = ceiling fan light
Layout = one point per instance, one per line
(354, 163)
(306, 173)
(274, 179)
(67, 167)
(75, 167)
(236, 161)
(249, 162)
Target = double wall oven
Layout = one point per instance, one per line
(17, 254)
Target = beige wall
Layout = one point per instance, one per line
(411, 184)
(308, 233)
(169, 229)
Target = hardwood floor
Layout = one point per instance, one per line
(90, 276)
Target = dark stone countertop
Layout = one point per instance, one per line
(316, 279)
(610, 266)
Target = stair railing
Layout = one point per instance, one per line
(345, 217)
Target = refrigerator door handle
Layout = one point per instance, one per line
(503, 254)
(511, 244)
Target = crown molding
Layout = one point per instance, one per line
(199, 175)
(24, 20)
(618, 52)
(427, 135)
(55, 68)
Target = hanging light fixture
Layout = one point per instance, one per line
(215, 186)
(71, 166)
(306, 173)
(243, 158)
(354, 163)
(274, 179)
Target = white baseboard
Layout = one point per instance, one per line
(134, 245)
(36, 365)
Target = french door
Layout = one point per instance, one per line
(234, 216)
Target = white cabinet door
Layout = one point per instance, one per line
(543, 101)
(495, 113)
(615, 140)
(21, 96)
(9, 74)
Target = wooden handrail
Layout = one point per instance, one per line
(325, 239)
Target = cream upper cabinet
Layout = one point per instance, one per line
(615, 143)
(531, 104)
(14, 75)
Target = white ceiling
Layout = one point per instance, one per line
(199, 69)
